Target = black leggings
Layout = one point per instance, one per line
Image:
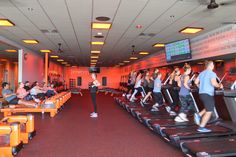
(175, 97)
(93, 96)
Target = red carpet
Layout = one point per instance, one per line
(72, 133)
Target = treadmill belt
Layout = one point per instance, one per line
(213, 146)
(192, 131)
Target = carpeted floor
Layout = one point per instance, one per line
(72, 133)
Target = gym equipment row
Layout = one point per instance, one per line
(15, 131)
(112, 91)
(220, 142)
(51, 105)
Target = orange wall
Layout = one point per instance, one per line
(113, 76)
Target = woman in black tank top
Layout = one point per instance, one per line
(93, 90)
(174, 88)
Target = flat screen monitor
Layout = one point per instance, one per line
(94, 69)
(179, 50)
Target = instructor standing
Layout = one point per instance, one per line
(93, 90)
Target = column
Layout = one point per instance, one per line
(46, 68)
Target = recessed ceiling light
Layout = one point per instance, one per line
(60, 60)
(63, 62)
(54, 56)
(95, 52)
(102, 18)
(97, 43)
(133, 58)
(11, 50)
(126, 61)
(99, 33)
(6, 23)
(191, 30)
(101, 25)
(30, 41)
(143, 53)
(94, 57)
(158, 45)
(93, 60)
(121, 63)
(200, 63)
(219, 60)
(45, 51)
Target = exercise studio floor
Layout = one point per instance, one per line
(113, 134)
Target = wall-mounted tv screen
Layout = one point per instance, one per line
(94, 69)
(178, 50)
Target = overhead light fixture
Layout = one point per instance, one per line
(143, 53)
(93, 63)
(54, 56)
(94, 60)
(99, 33)
(97, 43)
(45, 51)
(6, 23)
(121, 63)
(74, 66)
(11, 50)
(63, 62)
(126, 61)
(30, 41)
(67, 65)
(133, 58)
(94, 57)
(191, 30)
(219, 60)
(95, 52)
(60, 60)
(158, 45)
(96, 25)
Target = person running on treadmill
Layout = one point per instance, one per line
(186, 100)
(157, 93)
(146, 80)
(133, 75)
(93, 90)
(150, 87)
(206, 81)
(175, 76)
(138, 86)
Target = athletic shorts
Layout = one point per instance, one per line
(208, 102)
(148, 89)
(140, 89)
(158, 98)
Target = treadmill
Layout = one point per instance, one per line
(217, 146)
(220, 128)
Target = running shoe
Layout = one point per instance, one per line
(95, 115)
(203, 130)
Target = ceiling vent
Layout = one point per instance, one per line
(47, 31)
(147, 34)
